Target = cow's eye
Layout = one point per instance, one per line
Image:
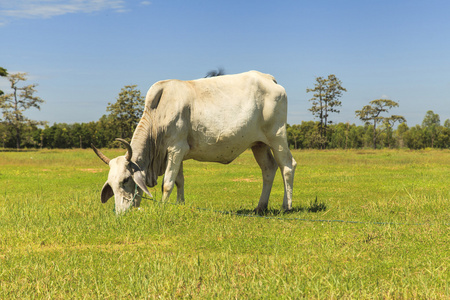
(126, 180)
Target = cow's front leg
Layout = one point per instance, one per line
(179, 182)
(175, 157)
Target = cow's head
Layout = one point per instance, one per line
(126, 181)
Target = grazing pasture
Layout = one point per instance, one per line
(57, 240)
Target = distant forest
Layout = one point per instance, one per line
(302, 136)
(16, 131)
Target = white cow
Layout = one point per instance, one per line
(210, 119)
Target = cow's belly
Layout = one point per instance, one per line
(221, 129)
(222, 153)
(222, 147)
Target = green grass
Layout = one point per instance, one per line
(57, 240)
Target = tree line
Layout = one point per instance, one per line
(350, 136)
(17, 131)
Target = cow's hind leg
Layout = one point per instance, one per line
(268, 165)
(287, 166)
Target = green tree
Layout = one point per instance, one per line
(356, 137)
(325, 100)
(294, 134)
(126, 112)
(4, 134)
(3, 73)
(311, 137)
(105, 132)
(447, 123)
(401, 133)
(373, 111)
(339, 137)
(443, 138)
(14, 104)
(431, 126)
(415, 138)
(388, 124)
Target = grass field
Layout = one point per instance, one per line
(57, 240)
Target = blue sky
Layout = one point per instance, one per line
(82, 52)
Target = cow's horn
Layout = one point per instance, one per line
(128, 146)
(101, 155)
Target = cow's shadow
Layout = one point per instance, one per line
(313, 207)
(270, 211)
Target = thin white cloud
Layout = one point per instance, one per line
(146, 2)
(44, 9)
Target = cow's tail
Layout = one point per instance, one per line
(272, 78)
(267, 76)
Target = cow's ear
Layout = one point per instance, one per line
(140, 181)
(107, 192)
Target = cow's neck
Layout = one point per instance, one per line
(147, 153)
(141, 153)
(141, 147)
